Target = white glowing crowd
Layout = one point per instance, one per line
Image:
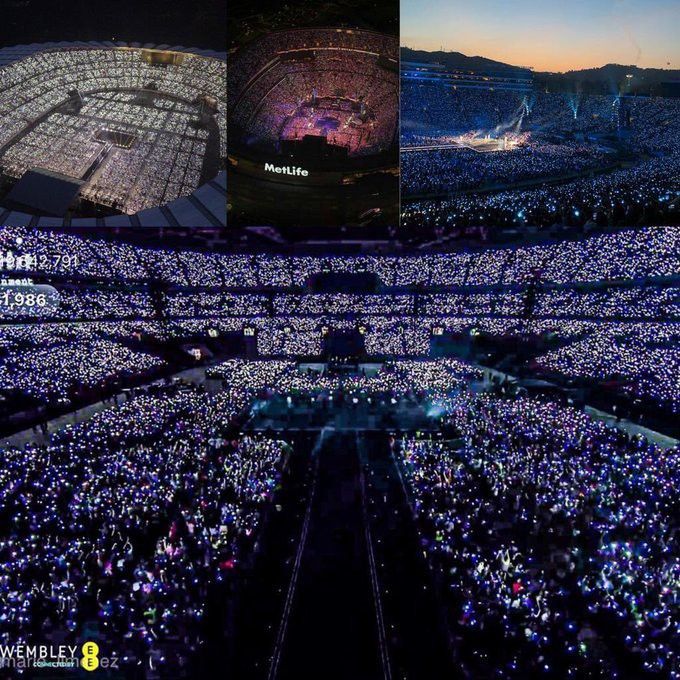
(132, 521)
(610, 300)
(164, 163)
(553, 538)
(546, 531)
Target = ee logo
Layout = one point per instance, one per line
(90, 660)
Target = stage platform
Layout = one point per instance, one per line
(310, 414)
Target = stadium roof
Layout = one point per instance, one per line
(44, 192)
(8, 55)
(206, 207)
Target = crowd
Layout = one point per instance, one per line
(254, 57)
(167, 156)
(641, 194)
(64, 370)
(324, 83)
(436, 171)
(553, 538)
(393, 378)
(597, 350)
(125, 523)
(342, 94)
(545, 529)
(647, 369)
(164, 162)
(570, 136)
(580, 291)
(632, 303)
(43, 80)
(431, 107)
(641, 253)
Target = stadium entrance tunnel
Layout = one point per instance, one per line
(344, 344)
(343, 282)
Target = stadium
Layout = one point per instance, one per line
(112, 134)
(423, 464)
(341, 86)
(506, 151)
(323, 101)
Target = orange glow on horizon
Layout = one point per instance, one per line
(548, 35)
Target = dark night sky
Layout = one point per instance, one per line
(193, 23)
(248, 18)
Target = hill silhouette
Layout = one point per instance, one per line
(609, 79)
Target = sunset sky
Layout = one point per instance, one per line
(548, 35)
